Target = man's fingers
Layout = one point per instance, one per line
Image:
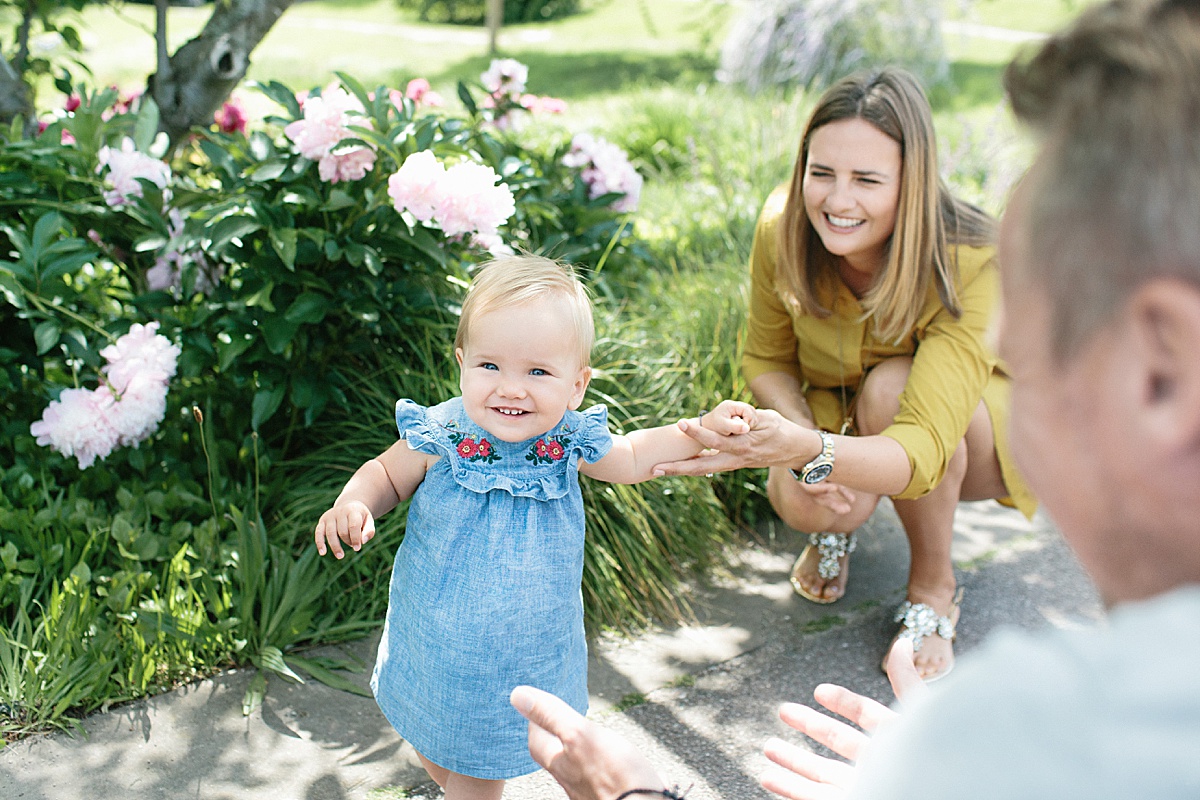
(862, 711)
(544, 746)
(545, 710)
(839, 737)
(902, 672)
(808, 764)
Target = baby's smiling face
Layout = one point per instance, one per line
(521, 369)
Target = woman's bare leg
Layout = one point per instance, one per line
(972, 473)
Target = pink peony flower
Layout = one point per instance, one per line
(231, 117)
(125, 167)
(67, 137)
(73, 103)
(126, 410)
(605, 168)
(543, 105)
(505, 76)
(346, 164)
(416, 89)
(416, 186)
(140, 352)
(461, 199)
(76, 424)
(472, 202)
(326, 122)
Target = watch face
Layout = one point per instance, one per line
(818, 473)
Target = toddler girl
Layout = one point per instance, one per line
(485, 591)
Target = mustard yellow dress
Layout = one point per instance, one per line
(953, 367)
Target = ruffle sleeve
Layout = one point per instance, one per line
(595, 440)
(422, 433)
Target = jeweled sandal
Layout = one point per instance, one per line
(831, 547)
(919, 620)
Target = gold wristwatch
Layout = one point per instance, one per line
(819, 468)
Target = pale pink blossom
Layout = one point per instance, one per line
(124, 410)
(416, 187)
(125, 167)
(327, 120)
(505, 76)
(419, 93)
(605, 169)
(140, 409)
(461, 199)
(346, 164)
(141, 351)
(472, 202)
(76, 424)
(543, 105)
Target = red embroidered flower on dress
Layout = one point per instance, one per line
(556, 450)
(467, 448)
(484, 449)
(540, 448)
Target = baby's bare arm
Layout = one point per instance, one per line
(634, 456)
(376, 487)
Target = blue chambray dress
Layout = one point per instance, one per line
(485, 591)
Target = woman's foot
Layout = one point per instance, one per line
(821, 571)
(930, 621)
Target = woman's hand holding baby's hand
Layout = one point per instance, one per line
(350, 522)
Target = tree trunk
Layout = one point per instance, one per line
(15, 97)
(202, 73)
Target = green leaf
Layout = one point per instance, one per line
(308, 308)
(265, 403)
(46, 335)
(338, 199)
(235, 226)
(373, 262)
(255, 693)
(262, 298)
(284, 242)
(227, 352)
(271, 658)
(45, 230)
(219, 157)
(464, 94)
(146, 127)
(327, 676)
(278, 332)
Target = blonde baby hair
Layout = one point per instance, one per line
(520, 278)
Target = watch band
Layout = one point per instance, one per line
(819, 468)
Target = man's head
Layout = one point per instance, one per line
(1100, 255)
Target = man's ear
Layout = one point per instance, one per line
(1165, 317)
(580, 387)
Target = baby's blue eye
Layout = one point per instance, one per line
(489, 365)
(538, 372)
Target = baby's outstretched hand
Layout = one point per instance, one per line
(349, 522)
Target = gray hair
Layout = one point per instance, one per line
(1115, 197)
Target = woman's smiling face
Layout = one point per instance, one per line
(852, 192)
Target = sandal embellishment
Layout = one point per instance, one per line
(831, 547)
(920, 620)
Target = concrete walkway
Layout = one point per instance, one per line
(699, 699)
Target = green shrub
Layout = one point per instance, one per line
(303, 308)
